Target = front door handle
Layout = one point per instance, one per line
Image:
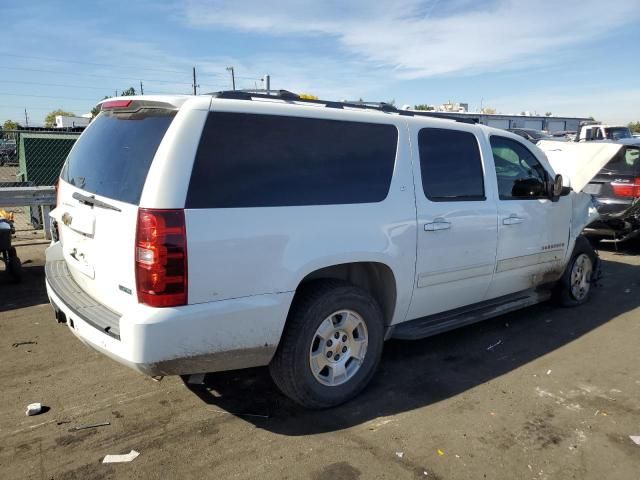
(437, 224)
(512, 220)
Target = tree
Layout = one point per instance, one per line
(96, 110)
(50, 119)
(548, 114)
(488, 110)
(425, 107)
(634, 127)
(125, 93)
(11, 125)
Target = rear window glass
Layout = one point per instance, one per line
(626, 161)
(112, 157)
(450, 165)
(248, 160)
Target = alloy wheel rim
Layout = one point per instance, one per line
(581, 276)
(338, 348)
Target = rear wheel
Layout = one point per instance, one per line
(575, 286)
(331, 345)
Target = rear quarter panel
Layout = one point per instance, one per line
(237, 252)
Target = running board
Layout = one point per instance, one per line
(442, 322)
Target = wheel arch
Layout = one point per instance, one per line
(376, 278)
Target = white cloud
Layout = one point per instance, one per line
(420, 39)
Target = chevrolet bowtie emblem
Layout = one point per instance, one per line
(66, 219)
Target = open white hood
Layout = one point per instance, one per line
(578, 163)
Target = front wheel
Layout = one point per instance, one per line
(331, 345)
(576, 284)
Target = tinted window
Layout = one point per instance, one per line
(519, 173)
(626, 162)
(247, 160)
(112, 157)
(617, 133)
(450, 165)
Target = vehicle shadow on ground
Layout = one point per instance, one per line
(414, 374)
(29, 291)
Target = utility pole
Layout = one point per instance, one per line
(267, 83)
(141, 90)
(26, 118)
(195, 85)
(233, 77)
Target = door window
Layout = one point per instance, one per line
(520, 175)
(450, 165)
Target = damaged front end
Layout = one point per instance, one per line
(617, 226)
(579, 163)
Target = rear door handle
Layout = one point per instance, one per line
(512, 220)
(437, 224)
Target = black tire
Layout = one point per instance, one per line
(290, 367)
(14, 269)
(563, 293)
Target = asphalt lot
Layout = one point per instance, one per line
(543, 393)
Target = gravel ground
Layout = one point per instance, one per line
(543, 393)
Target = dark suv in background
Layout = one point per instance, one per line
(617, 187)
(534, 136)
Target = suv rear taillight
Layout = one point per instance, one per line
(627, 189)
(161, 257)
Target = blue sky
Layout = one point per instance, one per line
(575, 57)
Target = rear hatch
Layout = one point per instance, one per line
(618, 183)
(99, 193)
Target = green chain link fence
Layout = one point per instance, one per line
(32, 158)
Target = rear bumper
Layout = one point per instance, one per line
(208, 337)
(621, 223)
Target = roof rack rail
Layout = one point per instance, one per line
(288, 96)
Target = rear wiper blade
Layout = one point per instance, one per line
(94, 202)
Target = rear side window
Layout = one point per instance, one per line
(626, 162)
(450, 165)
(247, 160)
(112, 157)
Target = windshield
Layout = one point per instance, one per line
(112, 157)
(616, 133)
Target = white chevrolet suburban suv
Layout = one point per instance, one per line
(205, 233)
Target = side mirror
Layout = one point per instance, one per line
(557, 186)
(554, 188)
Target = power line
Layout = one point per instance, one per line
(132, 78)
(20, 82)
(20, 107)
(90, 63)
(103, 89)
(51, 96)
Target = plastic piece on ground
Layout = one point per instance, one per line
(33, 409)
(127, 457)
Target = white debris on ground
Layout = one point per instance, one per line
(127, 457)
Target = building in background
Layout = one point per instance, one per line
(551, 124)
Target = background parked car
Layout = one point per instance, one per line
(534, 136)
(8, 152)
(617, 188)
